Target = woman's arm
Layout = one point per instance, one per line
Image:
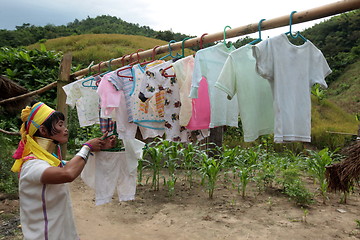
(73, 168)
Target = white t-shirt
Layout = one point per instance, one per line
(86, 101)
(208, 64)
(254, 95)
(45, 209)
(291, 71)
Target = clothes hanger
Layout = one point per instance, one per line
(298, 34)
(124, 68)
(201, 42)
(259, 30)
(102, 74)
(89, 82)
(170, 51)
(225, 38)
(153, 56)
(181, 56)
(138, 57)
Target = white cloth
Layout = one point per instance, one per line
(106, 171)
(209, 63)
(45, 209)
(253, 92)
(86, 101)
(291, 71)
(184, 69)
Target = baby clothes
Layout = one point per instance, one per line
(124, 84)
(85, 99)
(200, 117)
(291, 71)
(254, 95)
(156, 82)
(184, 69)
(151, 119)
(107, 171)
(208, 64)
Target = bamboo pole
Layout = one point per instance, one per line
(64, 78)
(299, 17)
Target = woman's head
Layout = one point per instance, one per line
(54, 128)
(41, 120)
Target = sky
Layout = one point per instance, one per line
(191, 17)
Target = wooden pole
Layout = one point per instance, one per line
(41, 90)
(64, 78)
(299, 17)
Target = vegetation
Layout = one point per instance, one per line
(262, 162)
(28, 34)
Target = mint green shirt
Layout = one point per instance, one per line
(254, 95)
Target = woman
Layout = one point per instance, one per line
(45, 205)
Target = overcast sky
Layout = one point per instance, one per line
(192, 17)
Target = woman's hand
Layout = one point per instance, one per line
(97, 143)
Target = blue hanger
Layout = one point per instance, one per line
(183, 47)
(225, 38)
(259, 30)
(170, 51)
(298, 34)
(90, 82)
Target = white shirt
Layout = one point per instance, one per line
(85, 99)
(45, 209)
(291, 71)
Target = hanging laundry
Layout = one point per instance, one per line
(254, 96)
(156, 82)
(291, 71)
(200, 117)
(85, 99)
(184, 70)
(106, 171)
(122, 79)
(151, 119)
(208, 64)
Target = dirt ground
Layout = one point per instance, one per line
(190, 214)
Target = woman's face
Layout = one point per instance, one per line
(62, 134)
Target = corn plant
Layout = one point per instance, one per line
(210, 169)
(172, 154)
(317, 163)
(245, 169)
(156, 156)
(189, 155)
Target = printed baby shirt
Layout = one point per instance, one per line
(85, 99)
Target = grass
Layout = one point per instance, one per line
(101, 47)
(345, 91)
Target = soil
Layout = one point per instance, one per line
(190, 214)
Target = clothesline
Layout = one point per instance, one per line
(298, 17)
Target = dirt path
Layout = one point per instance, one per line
(189, 214)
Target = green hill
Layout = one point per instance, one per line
(95, 48)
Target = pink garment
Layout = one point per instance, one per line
(200, 118)
(109, 96)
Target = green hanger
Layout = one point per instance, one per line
(259, 30)
(182, 47)
(225, 38)
(170, 51)
(298, 34)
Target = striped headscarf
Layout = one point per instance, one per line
(32, 118)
